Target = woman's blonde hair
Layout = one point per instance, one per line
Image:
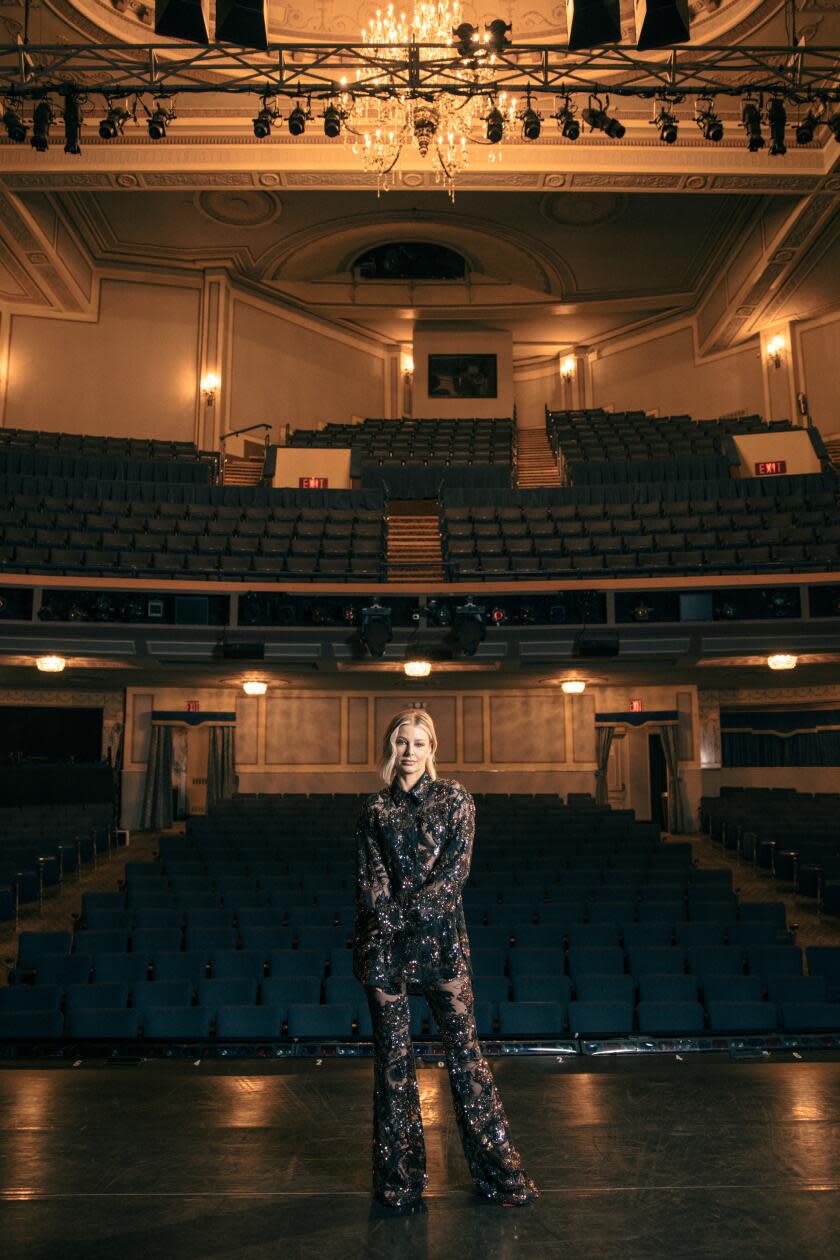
(412, 717)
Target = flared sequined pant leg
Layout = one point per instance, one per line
(399, 1152)
(494, 1162)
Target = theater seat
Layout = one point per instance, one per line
(531, 1019)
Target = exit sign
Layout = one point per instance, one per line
(192, 706)
(313, 483)
(635, 706)
(771, 468)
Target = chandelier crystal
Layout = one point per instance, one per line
(446, 109)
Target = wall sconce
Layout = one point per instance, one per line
(407, 365)
(567, 367)
(210, 382)
(775, 349)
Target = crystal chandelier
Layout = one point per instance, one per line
(441, 117)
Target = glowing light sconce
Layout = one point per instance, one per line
(573, 686)
(407, 364)
(417, 669)
(50, 664)
(210, 383)
(567, 367)
(782, 660)
(775, 349)
(253, 687)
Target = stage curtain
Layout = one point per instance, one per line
(807, 748)
(157, 799)
(221, 764)
(677, 812)
(603, 743)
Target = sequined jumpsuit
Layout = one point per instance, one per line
(414, 851)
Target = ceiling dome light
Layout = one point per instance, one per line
(782, 660)
(573, 686)
(253, 687)
(417, 668)
(50, 664)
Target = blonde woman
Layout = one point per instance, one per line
(414, 847)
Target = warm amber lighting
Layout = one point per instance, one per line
(50, 664)
(776, 347)
(573, 686)
(253, 687)
(407, 364)
(210, 382)
(782, 660)
(567, 367)
(417, 669)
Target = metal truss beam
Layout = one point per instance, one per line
(323, 70)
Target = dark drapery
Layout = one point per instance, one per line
(677, 812)
(221, 764)
(157, 799)
(780, 737)
(603, 743)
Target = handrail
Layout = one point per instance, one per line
(247, 429)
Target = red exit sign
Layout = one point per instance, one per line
(635, 706)
(771, 468)
(192, 706)
(313, 483)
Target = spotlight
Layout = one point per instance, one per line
(642, 611)
(569, 125)
(805, 128)
(667, 124)
(599, 120)
(834, 126)
(375, 631)
(466, 39)
(495, 126)
(709, 122)
(438, 612)
(297, 121)
(498, 616)
(113, 124)
(531, 124)
(496, 36)
(16, 128)
(751, 122)
(332, 122)
(777, 118)
(72, 123)
(159, 120)
(42, 120)
(264, 121)
(469, 628)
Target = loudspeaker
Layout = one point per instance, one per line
(587, 644)
(243, 651)
(241, 22)
(188, 20)
(192, 610)
(591, 23)
(661, 22)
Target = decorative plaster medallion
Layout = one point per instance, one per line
(554, 181)
(239, 209)
(127, 181)
(583, 209)
(270, 180)
(412, 179)
(696, 181)
(783, 255)
(744, 311)
(832, 184)
(38, 258)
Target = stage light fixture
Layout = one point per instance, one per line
(375, 631)
(751, 122)
(438, 612)
(50, 664)
(661, 22)
(113, 124)
(158, 121)
(495, 126)
(186, 20)
(531, 124)
(834, 126)
(496, 36)
(642, 611)
(42, 121)
(16, 128)
(592, 23)
(469, 628)
(777, 119)
(72, 123)
(264, 120)
(709, 122)
(668, 126)
(597, 118)
(242, 22)
(569, 125)
(498, 616)
(297, 121)
(466, 39)
(805, 128)
(332, 122)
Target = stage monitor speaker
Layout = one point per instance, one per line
(660, 23)
(591, 23)
(192, 610)
(242, 22)
(187, 20)
(596, 645)
(242, 651)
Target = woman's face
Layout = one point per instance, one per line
(412, 745)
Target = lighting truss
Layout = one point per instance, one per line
(325, 70)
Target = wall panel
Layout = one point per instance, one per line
(527, 728)
(303, 730)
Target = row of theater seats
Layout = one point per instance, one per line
(716, 533)
(443, 442)
(95, 445)
(21, 462)
(584, 435)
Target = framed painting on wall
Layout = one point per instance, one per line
(462, 376)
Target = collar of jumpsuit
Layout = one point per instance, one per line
(417, 793)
